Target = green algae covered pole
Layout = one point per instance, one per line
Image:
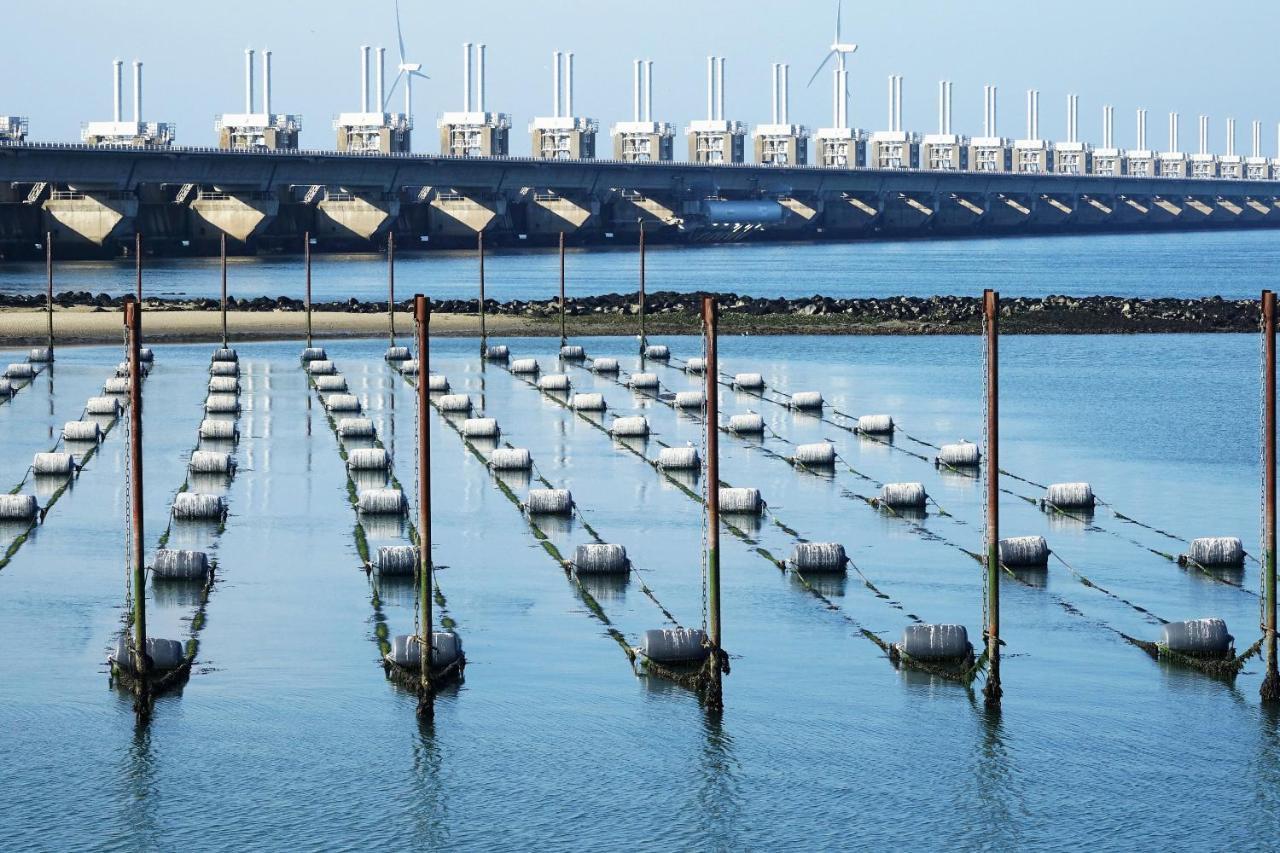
(421, 318)
(1270, 684)
(991, 311)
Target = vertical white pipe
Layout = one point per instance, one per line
(466, 77)
(1142, 131)
(893, 88)
(773, 94)
(1231, 137)
(942, 106)
(995, 114)
(949, 104)
(117, 91)
(248, 81)
(555, 83)
(897, 106)
(364, 78)
(1257, 139)
(835, 99)
(844, 98)
(648, 90)
(784, 83)
(711, 88)
(266, 82)
(720, 91)
(1173, 132)
(480, 78)
(382, 79)
(635, 91)
(137, 90)
(568, 83)
(986, 110)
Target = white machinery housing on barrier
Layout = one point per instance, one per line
(120, 132)
(562, 135)
(373, 131)
(1140, 161)
(781, 143)
(1032, 155)
(1203, 164)
(642, 139)
(894, 148)
(474, 132)
(1172, 163)
(1109, 160)
(13, 129)
(990, 152)
(944, 151)
(715, 139)
(253, 130)
(1073, 157)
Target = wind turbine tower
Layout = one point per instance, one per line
(839, 146)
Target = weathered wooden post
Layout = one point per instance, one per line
(484, 333)
(48, 263)
(1271, 683)
(422, 316)
(991, 312)
(643, 341)
(137, 262)
(133, 327)
(715, 698)
(563, 337)
(306, 255)
(224, 291)
(391, 288)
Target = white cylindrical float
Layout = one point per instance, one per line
(549, 502)
(438, 384)
(322, 367)
(397, 560)
(218, 430)
(224, 368)
(222, 404)
(875, 424)
(18, 507)
(1024, 552)
(497, 352)
(657, 352)
(1069, 496)
(821, 454)
(510, 459)
(212, 462)
(963, 454)
(43, 464)
(589, 402)
(355, 428)
(455, 403)
(741, 501)
(604, 365)
(636, 426)
(481, 428)
(748, 382)
(193, 505)
(643, 381)
(553, 382)
(746, 424)
(81, 431)
(674, 645)
(342, 403)
(819, 557)
(806, 401)
(173, 564)
(600, 559)
(224, 385)
(525, 366)
(572, 352)
(368, 459)
(1217, 551)
(935, 642)
(381, 501)
(689, 400)
(108, 406)
(903, 495)
(331, 384)
(679, 458)
(1198, 638)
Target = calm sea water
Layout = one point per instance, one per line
(288, 736)
(1230, 264)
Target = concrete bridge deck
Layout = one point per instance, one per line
(94, 199)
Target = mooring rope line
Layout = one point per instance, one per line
(1004, 472)
(360, 535)
(740, 534)
(200, 614)
(21, 539)
(588, 599)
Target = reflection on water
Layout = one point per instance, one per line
(605, 588)
(175, 593)
(830, 584)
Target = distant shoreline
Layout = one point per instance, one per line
(82, 318)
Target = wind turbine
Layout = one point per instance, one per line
(407, 71)
(840, 94)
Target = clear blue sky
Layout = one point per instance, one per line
(1216, 58)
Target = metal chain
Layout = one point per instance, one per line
(986, 470)
(422, 550)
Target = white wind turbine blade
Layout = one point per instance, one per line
(826, 59)
(392, 90)
(839, 8)
(399, 33)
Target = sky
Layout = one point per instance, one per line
(1218, 59)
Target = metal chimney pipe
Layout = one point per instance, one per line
(986, 110)
(266, 82)
(1231, 137)
(137, 90)
(995, 115)
(382, 79)
(248, 81)
(784, 83)
(648, 90)
(1173, 132)
(773, 114)
(555, 83)
(711, 88)
(720, 91)
(635, 91)
(568, 84)
(948, 113)
(897, 106)
(1142, 130)
(892, 90)
(118, 90)
(942, 106)
(364, 78)
(1257, 139)
(480, 51)
(466, 77)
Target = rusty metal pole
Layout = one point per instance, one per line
(422, 318)
(391, 286)
(133, 325)
(991, 309)
(306, 254)
(224, 291)
(563, 338)
(643, 341)
(137, 262)
(484, 334)
(715, 699)
(1271, 683)
(48, 263)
